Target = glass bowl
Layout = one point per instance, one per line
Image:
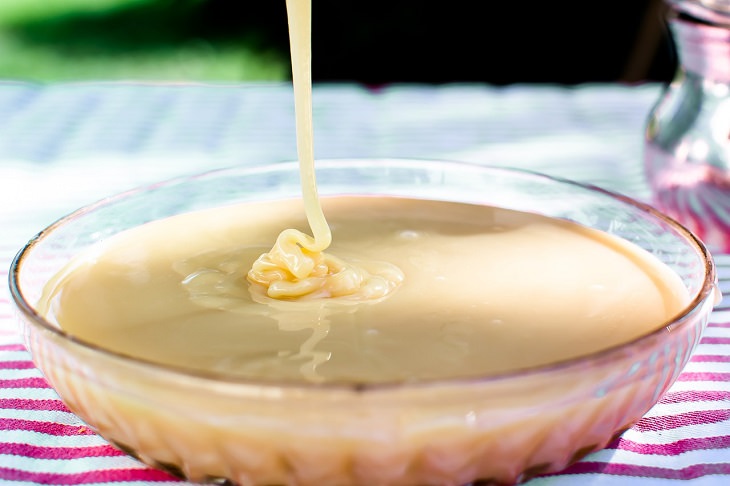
(503, 428)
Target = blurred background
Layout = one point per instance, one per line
(371, 42)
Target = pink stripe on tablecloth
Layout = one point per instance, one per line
(711, 358)
(35, 382)
(101, 476)
(668, 422)
(12, 347)
(719, 324)
(695, 396)
(28, 404)
(67, 453)
(16, 365)
(700, 376)
(689, 472)
(50, 428)
(673, 448)
(715, 340)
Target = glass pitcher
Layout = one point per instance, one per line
(687, 139)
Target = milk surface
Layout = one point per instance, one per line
(485, 290)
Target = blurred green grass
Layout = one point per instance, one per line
(155, 40)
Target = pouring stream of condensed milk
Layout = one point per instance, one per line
(297, 268)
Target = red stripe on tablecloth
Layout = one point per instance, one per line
(50, 428)
(695, 396)
(66, 453)
(12, 347)
(103, 476)
(27, 404)
(711, 358)
(715, 340)
(35, 382)
(673, 448)
(668, 422)
(699, 376)
(16, 365)
(690, 472)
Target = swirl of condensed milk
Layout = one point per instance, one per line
(297, 267)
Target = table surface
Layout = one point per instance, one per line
(65, 145)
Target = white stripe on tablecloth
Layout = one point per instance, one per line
(44, 440)
(598, 479)
(713, 349)
(20, 374)
(14, 356)
(49, 416)
(708, 386)
(694, 367)
(68, 466)
(722, 315)
(662, 409)
(716, 331)
(666, 437)
(28, 394)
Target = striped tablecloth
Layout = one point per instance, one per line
(65, 145)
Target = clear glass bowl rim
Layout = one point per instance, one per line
(706, 290)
